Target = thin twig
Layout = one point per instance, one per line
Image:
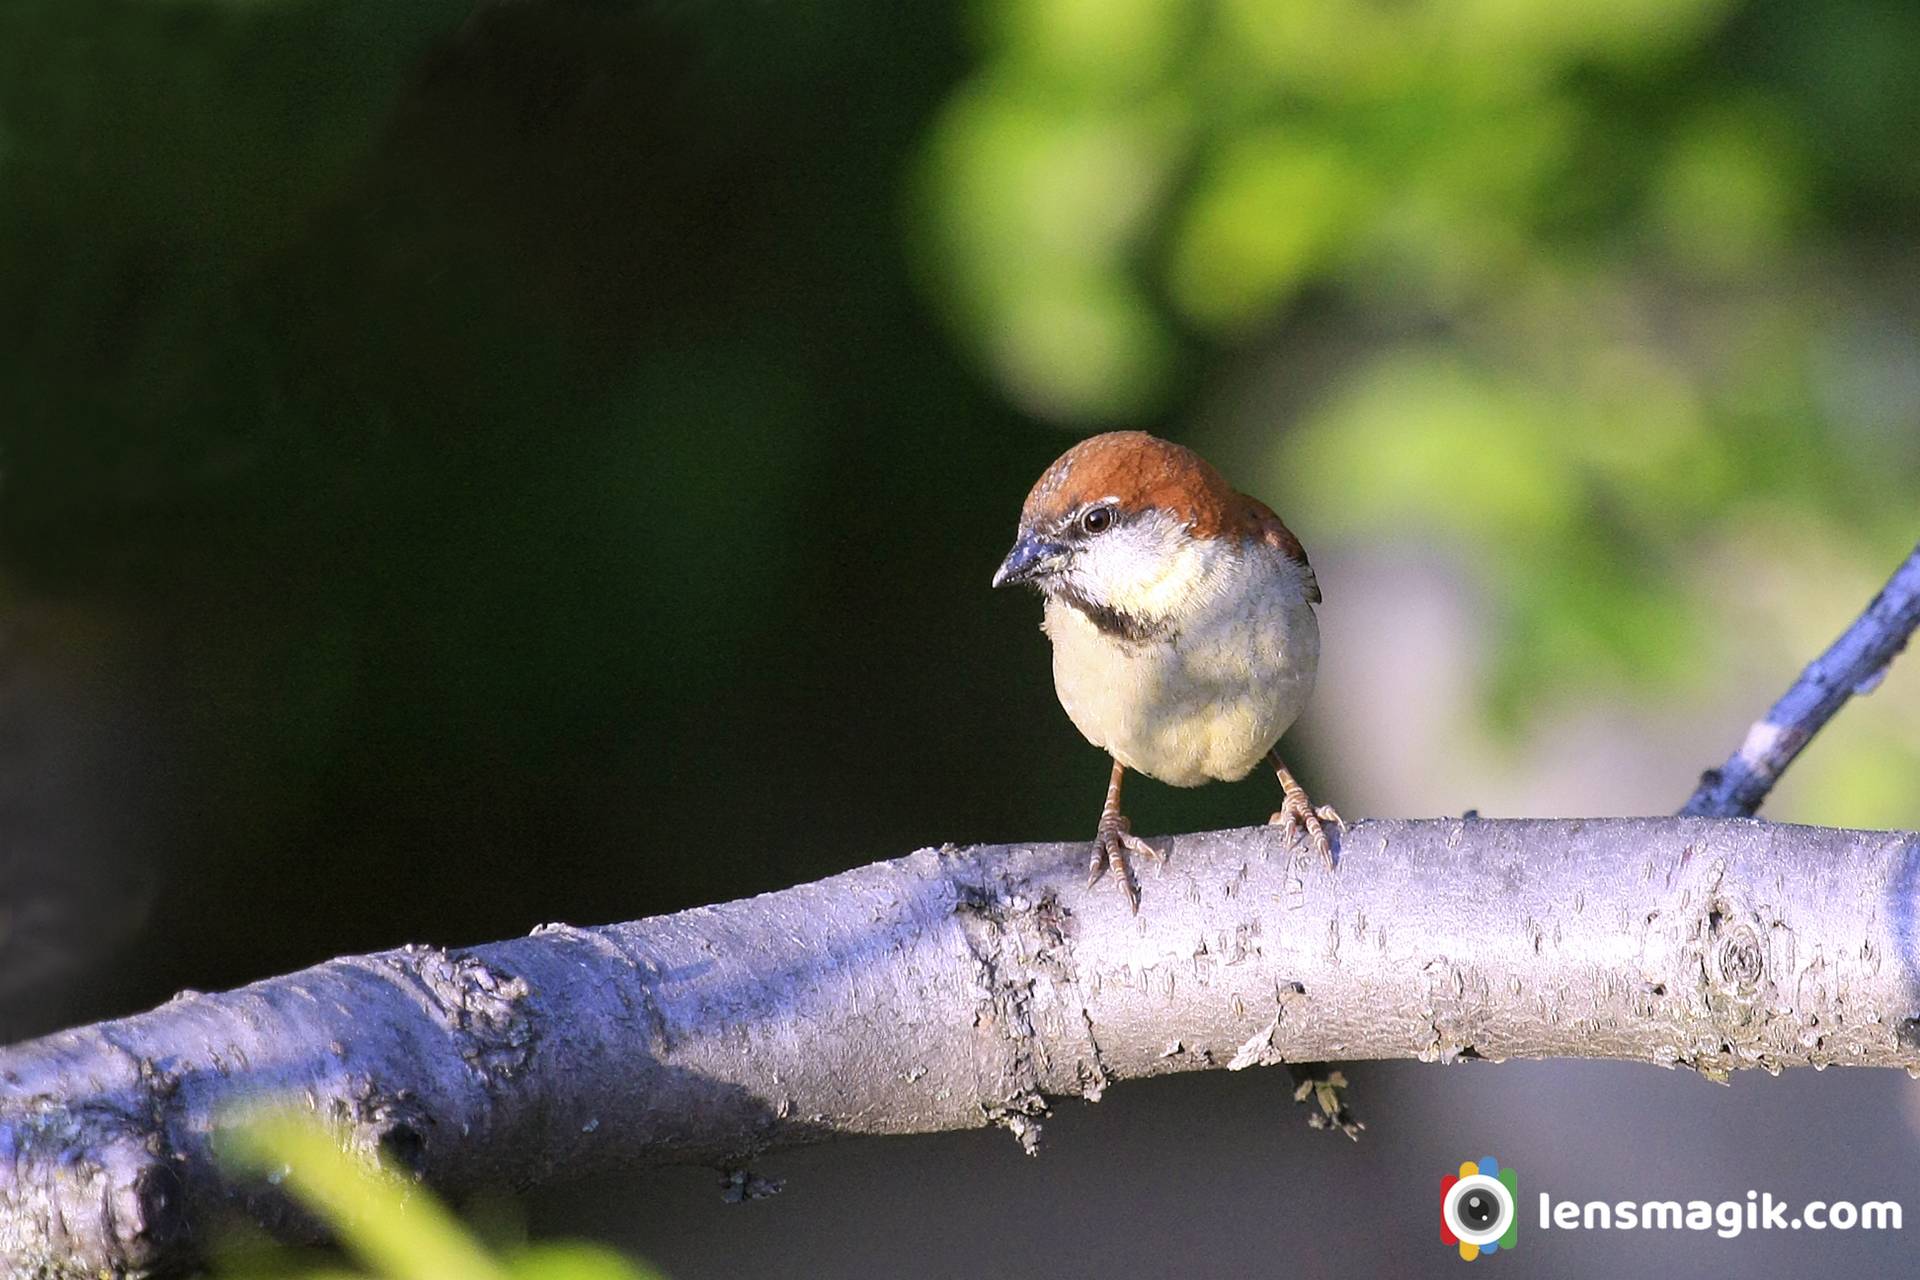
(1852, 664)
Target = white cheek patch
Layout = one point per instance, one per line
(1151, 569)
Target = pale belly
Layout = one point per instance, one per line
(1207, 705)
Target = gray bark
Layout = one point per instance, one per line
(951, 989)
(1852, 664)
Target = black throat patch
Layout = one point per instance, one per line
(1110, 621)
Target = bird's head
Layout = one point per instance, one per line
(1136, 532)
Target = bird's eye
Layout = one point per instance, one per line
(1097, 519)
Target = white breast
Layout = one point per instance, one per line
(1212, 699)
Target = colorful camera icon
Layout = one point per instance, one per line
(1480, 1208)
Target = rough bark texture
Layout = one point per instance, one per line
(959, 988)
(1852, 664)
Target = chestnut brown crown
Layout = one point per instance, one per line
(1136, 472)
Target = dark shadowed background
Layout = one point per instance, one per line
(462, 468)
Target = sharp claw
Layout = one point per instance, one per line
(1300, 817)
(1111, 844)
(1301, 821)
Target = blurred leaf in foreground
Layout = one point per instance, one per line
(391, 1226)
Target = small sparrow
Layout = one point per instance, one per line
(1181, 615)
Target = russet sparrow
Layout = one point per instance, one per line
(1181, 615)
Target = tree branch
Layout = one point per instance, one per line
(951, 989)
(1852, 664)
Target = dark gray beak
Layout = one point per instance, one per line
(1032, 557)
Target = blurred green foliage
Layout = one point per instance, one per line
(1592, 289)
(393, 1228)
(1163, 170)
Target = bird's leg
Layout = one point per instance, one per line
(1298, 815)
(1114, 840)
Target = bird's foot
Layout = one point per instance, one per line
(1299, 817)
(1113, 842)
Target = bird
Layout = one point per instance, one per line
(1181, 613)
